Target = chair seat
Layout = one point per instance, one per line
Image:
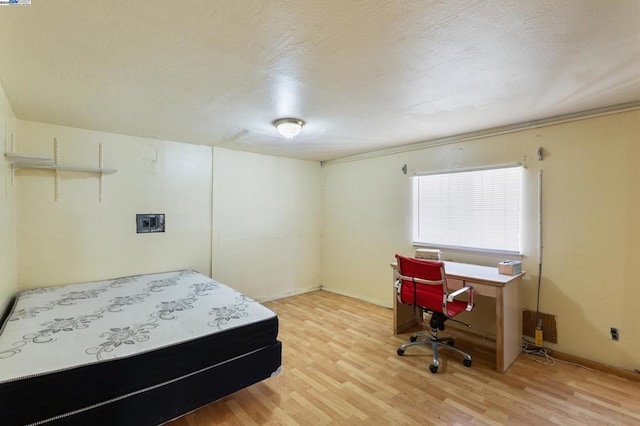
(455, 307)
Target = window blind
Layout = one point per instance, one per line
(476, 209)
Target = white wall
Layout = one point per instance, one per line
(267, 223)
(78, 238)
(591, 209)
(8, 227)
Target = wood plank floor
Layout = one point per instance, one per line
(340, 367)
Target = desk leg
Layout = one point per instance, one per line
(508, 325)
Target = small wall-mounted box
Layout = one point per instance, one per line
(510, 267)
(146, 223)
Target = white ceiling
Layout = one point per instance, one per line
(364, 75)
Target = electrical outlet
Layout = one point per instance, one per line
(615, 335)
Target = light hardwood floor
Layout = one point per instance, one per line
(340, 367)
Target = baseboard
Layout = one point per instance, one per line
(631, 375)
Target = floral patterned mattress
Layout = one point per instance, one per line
(53, 329)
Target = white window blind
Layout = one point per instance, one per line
(477, 209)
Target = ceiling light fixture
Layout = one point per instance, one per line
(288, 127)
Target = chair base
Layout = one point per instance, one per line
(435, 342)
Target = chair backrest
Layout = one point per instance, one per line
(423, 283)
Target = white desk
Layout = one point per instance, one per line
(486, 281)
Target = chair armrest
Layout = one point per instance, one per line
(459, 292)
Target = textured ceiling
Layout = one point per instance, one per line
(364, 75)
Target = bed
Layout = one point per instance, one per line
(135, 350)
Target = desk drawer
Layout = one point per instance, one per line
(478, 288)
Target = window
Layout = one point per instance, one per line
(472, 209)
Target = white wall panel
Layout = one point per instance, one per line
(267, 223)
(8, 226)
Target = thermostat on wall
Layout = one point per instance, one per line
(149, 223)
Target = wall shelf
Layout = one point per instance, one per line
(44, 162)
(24, 161)
(28, 159)
(51, 166)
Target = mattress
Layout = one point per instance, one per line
(69, 350)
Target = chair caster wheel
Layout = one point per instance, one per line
(413, 338)
(433, 368)
(467, 362)
(400, 352)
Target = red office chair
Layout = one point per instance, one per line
(423, 283)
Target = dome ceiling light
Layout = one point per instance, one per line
(289, 127)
